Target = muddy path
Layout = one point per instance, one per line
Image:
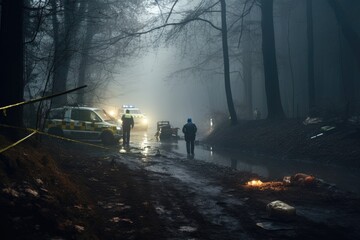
(146, 193)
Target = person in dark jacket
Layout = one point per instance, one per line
(127, 125)
(189, 130)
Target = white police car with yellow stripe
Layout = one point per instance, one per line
(140, 120)
(85, 123)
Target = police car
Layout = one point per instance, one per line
(85, 123)
(140, 120)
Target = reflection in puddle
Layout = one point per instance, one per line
(266, 167)
(273, 168)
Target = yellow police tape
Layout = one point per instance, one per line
(40, 99)
(34, 131)
(16, 143)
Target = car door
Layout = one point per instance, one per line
(82, 124)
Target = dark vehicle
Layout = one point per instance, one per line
(165, 131)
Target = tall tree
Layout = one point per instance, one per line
(247, 68)
(84, 61)
(225, 48)
(198, 14)
(310, 63)
(347, 28)
(64, 40)
(11, 60)
(275, 109)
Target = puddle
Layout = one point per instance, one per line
(275, 169)
(342, 177)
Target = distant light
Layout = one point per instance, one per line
(112, 113)
(128, 106)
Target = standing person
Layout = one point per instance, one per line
(127, 124)
(189, 130)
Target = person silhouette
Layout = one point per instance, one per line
(189, 130)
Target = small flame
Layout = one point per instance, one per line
(254, 183)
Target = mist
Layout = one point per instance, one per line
(251, 127)
(149, 84)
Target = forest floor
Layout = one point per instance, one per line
(57, 190)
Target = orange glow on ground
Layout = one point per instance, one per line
(254, 183)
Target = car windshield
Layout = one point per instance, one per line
(104, 115)
(134, 111)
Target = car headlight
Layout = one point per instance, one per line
(145, 121)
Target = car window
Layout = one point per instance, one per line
(103, 115)
(94, 117)
(56, 114)
(84, 115)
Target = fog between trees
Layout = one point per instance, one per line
(167, 57)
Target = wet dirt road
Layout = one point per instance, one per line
(151, 192)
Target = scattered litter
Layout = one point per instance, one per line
(93, 179)
(160, 210)
(280, 209)
(187, 229)
(323, 129)
(118, 219)
(78, 206)
(317, 135)
(287, 180)
(115, 219)
(11, 192)
(310, 120)
(354, 119)
(79, 228)
(39, 181)
(327, 128)
(32, 192)
(271, 226)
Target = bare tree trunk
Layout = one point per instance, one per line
(63, 41)
(350, 34)
(310, 41)
(229, 98)
(84, 62)
(60, 58)
(247, 71)
(11, 60)
(291, 68)
(275, 109)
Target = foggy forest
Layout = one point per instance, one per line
(312, 55)
(272, 86)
